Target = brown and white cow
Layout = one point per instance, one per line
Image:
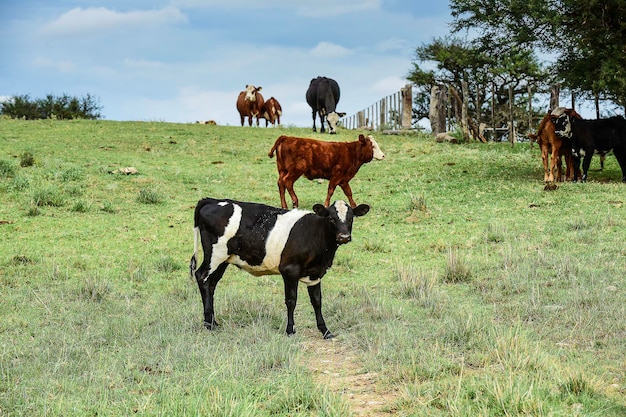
(272, 111)
(250, 104)
(553, 149)
(338, 162)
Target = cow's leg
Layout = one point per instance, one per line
(586, 163)
(288, 182)
(554, 160)
(242, 119)
(348, 192)
(569, 166)
(576, 164)
(322, 128)
(314, 128)
(545, 158)
(602, 158)
(331, 189)
(207, 283)
(291, 298)
(281, 192)
(250, 120)
(315, 294)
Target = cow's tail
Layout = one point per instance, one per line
(276, 145)
(193, 263)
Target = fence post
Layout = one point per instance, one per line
(407, 106)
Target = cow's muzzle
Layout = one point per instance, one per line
(343, 238)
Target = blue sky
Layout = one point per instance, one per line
(187, 60)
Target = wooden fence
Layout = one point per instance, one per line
(393, 112)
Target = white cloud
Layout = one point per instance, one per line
(95, 19)
(330, 50)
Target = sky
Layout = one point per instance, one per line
(187, 60)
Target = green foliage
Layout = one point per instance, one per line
(571, 29)
(63, 107)
(7, 169)
(27, 159)
(149, 196)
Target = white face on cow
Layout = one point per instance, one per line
(378, 154)
(563, 126)
(251, 92)
(333, 119)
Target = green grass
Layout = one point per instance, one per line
(468, 289)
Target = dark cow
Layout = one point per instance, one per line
(297, 244)
(272, 111)
(250, 104)
(323, 96)
(337, 162)
(589, 136)
(554, 148)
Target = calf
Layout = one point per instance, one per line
(337, 162)
(262, 240)
(250, 104)
(272, 111)
(553, 149)
(589, 136)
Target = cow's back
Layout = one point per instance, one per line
(324, 93)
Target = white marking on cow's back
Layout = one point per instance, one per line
(342, 210)
(219, 253)
(274, 246)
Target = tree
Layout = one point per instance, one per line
(588, 37)
(63, 107)
(487, 72)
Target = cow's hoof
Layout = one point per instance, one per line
(210, 326)
(328, 335)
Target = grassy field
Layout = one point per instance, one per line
(468, 290)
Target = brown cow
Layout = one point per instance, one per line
(337, 162)
(250, 104)
(553, 147)
(272, 111)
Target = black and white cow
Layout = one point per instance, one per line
(589, 136)
(323, 96)
(300, 245)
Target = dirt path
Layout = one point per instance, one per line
(334, 366)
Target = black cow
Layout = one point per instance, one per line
(297, 244)
(323, 96)
(589, 136)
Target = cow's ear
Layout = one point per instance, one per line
(361, 210)
(320, 210)
(361, 138)
(259, 88)
(342, 114)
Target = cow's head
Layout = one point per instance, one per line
(368, 141)
(340, 215)
(561, 121)
(251, 92)
(562, 125)
(333, 119)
